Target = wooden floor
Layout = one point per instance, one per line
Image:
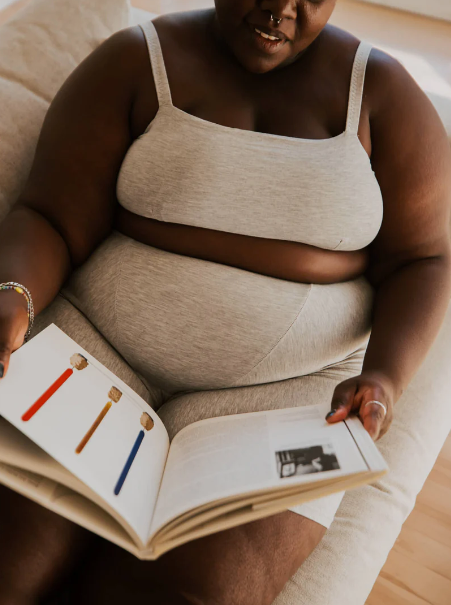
(418, 569)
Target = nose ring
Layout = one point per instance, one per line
(276, 21)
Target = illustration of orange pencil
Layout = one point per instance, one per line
(77, 361)
(114, 394)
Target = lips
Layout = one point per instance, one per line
(265, 40)
(277, 33)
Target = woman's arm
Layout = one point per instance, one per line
(67, 206)
(410, 259)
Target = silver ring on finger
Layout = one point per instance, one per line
(378, 403)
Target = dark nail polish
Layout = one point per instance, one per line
(330, 414)
(2, 370)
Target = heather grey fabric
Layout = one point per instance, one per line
(180, 408)
(187, 170)
(185, 323)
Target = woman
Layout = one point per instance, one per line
(251, 160)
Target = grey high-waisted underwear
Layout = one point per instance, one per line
(198, 339)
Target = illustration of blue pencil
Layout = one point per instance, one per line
(147, 423)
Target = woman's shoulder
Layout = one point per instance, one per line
(388, 86)
(342, 45)
(129, 45)
(182, 31)
(387, 81)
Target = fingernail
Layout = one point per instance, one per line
(330, 414)
(2, 370)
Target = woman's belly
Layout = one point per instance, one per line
(184, 323)
(288, 260)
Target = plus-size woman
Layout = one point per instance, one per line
(257, 217)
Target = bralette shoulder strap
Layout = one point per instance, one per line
(356, 88)
(156, 59)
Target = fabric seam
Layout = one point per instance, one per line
(278, 341)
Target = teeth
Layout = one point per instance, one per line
(266, 35)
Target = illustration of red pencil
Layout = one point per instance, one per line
(77, 361)
(147, 423)
(114, 394)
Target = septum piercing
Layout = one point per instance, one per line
(276, 21)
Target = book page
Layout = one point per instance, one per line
(67, 503)
(89, 421)
(25, 460)
(221, 457)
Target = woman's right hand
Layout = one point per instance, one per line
(13, 325)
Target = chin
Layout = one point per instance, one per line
(259, 64)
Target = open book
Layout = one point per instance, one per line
(79, 441)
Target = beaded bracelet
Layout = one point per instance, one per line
(11, 285)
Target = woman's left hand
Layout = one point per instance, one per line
(353, 394)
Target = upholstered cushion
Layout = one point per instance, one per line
(39, 47)
(442, 104)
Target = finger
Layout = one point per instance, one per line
(11, 338)
(343, 400)
(5, 354)
(373, 418)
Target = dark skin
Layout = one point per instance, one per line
(68, 207)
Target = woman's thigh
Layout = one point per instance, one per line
(245, 565)
(38, 549)
(329, 333)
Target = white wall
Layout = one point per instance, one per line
(434, 8)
